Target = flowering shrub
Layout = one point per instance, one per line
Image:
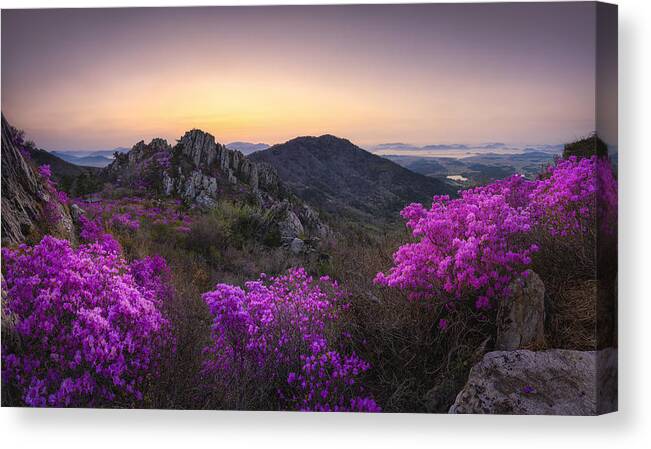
(92, 231)
(51, 211)
(279, 331)
(469, 247)
(476, 245)
(129, 212)
(89, 324)
(45, 172)
(125, 221)
(573, 193)
(153, 274)
(564, 200)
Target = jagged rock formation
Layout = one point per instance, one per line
(344, 179)
(201, 171)
(521, 317)
(553, 382)
(211, 161)
(24, 197)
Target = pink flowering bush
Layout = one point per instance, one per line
(473, 247)
(564, 199)
(89, 326)
(154, 276)
(279, 333)
(92, 231)
(129, 213)
(51, 212)
(124, 221)
(468, 247)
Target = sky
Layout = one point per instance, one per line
(101, 78)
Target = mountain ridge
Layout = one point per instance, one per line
(339, 177)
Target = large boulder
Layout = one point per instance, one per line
(521, 317)
(282, 222)
(553, 382)
(297, 246)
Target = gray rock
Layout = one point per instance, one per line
(553, 382)
(24, 197)
(281, 220)
(312, 223)
(297, 246)
(200, 147)
(521, 317)
(201, 169)
(198, 188)
(290, 227)
(22, 193)
(76, 212)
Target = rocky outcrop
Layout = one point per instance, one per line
(288, 223)
(521, 316)
(129, 168)
(201, 171)
(197, 169)
(297, 246)
(206, 155)
(25, 196)
(552, 382)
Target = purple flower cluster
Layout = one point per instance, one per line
(468, 247)
(570, 194)
(51, 211)
(476, 245)
(280, 330)
(92, 231)
(89, 324)
(45, 172)
(124, 221)
(129, 212)
(154, 276)
(163, 160)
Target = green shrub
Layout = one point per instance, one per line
(586, 147)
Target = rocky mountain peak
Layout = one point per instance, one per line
(200, 147)
(200, 170)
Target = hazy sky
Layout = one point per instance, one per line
(101, 78)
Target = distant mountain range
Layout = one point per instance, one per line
(340, 178)
(480, 168)
(247, 147)
(461, 149)
(100, 158)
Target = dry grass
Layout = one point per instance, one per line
(579, 275)
(573, 316)
(416, 367)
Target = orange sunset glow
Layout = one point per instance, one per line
(90, 79)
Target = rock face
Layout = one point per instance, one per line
(553, 382)
(201, 171)
(290, 223)
(24, 197)
(297, 246)
(521, 318)
(196, 169)
(200, 147)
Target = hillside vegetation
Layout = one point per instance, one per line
(343, 179)
(196, 277)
